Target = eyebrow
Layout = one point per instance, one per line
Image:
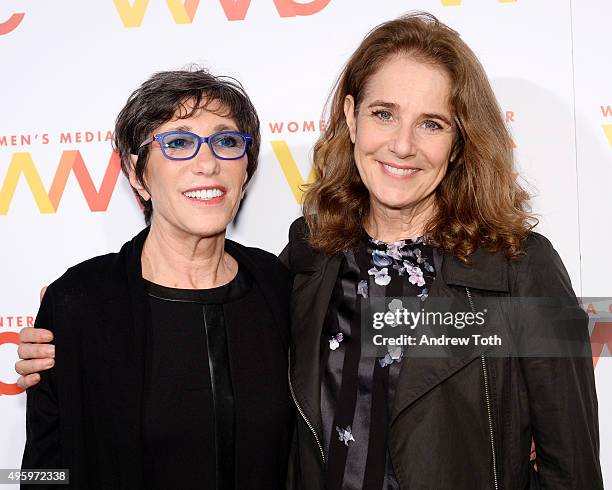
(382, 103)
(218, 127)
(394, 106)
(435, 115)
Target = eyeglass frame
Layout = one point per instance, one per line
(201, 139)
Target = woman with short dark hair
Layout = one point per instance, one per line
(171, 354)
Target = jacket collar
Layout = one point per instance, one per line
(487, 271)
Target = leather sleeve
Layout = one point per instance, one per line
(561, 390)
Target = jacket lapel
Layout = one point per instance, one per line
(308, 311)
(487, 272)
(127, 336)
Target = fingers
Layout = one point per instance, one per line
(36, 351)
(26, 382)
(31, 366)
(35, 335)
(533, 455)
(532, 452)
(35, 354)
(42, 292)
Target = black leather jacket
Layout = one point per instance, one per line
(459, 422)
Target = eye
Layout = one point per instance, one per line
(383, 115)
(227, 141)
(431, 125)
(178, 143)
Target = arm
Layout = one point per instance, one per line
(562, 397)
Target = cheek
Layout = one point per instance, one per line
(439, 154)
(235, 176)
(368, 139)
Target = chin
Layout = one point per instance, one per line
(394, 202)
(205, 228)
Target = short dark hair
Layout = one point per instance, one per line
(182, 92)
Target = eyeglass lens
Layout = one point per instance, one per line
(185, 145)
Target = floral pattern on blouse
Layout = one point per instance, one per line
(405, 257)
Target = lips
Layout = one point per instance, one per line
(207, 195)
(397, 171)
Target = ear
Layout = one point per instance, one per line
(349, 115)
(134, 182)
(455, 150)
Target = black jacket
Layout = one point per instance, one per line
(86, 412)
(459, 422)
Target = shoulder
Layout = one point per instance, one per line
(298, 231)
(539, 270)
(536, 251)
(299, 255)
(99, 271)
(259, 262)
(99, 278)
(85, 291)
(537, 245)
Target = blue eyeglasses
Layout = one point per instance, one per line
(183, 145)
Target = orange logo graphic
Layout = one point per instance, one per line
(71, 161)
(602, 335)
(606, 111)
(183, 11)
(11, 24)
(6, 388)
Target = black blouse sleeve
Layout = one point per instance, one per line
(42, 449)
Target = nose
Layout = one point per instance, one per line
(205, 163)
(403, 142)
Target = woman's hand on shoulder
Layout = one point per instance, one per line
(35, 353)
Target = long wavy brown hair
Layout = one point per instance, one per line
(479, 201)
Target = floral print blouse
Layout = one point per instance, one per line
(357, 391)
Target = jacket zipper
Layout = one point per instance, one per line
(485, 373)
(297, 404)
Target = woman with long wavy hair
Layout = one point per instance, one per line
(416, 196)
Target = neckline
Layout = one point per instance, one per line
(404, 241)
(233, 290)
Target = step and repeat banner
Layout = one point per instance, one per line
(68, 67)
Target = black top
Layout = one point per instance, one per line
(86, 414)
(443, 435)
(187, 355)
(357, 388)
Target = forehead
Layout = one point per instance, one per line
(407, 82)
(208, 116)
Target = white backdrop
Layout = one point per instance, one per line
(68, 67)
